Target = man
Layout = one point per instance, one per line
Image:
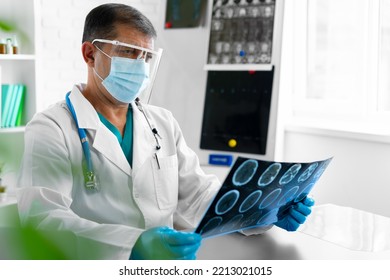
(108, 168)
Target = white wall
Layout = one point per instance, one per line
(181, 80)
(358, 175)
(60, 52)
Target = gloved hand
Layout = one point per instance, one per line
(163, 243)
(296, 215)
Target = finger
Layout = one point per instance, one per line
(184, 251)
(308, 201)
(188, 257)
(303, 209)
(177, 238)
(297, 216)
(291, 224)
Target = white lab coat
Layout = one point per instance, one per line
(130, 199)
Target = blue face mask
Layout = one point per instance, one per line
(127, 79)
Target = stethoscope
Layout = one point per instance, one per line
(90, 179)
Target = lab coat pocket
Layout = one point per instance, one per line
(166, 181)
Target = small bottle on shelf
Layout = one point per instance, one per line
(15, 46)
(3, 46)
(9, 46)
(3, 194)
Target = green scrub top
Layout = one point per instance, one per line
(127, 141)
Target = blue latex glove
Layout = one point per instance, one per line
(163, 243)
(296, 215)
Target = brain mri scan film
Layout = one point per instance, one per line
(257, 193)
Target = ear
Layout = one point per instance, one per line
(88, 52)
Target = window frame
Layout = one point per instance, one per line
(363, 109)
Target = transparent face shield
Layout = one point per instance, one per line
(113, 48)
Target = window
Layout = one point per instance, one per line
(342, 59)
(384, 57)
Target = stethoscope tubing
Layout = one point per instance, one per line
(82, 135)
(89, 176)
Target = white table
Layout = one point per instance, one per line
(277, 244)
(331, 233)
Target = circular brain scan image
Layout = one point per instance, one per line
(251, 220)
(304, 192)
(232, 223)
(268, 218)
(250, 201)
(226, 202)
(290, 174)
(269, 174)
(288, 196)
(319, 172)
(211, 224)
(270, 198)
(245, 172)
(307, 173)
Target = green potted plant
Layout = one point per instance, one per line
(7, 31)
(6, 26)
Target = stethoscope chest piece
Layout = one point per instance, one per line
(90, 181)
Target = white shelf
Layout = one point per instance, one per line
(238, 67)
(18, 129)
(17, 57)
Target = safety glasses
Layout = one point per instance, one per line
(128, 51)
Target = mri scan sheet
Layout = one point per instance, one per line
(258, 193)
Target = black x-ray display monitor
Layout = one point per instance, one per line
(237, 111)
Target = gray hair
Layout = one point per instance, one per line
(101, 21)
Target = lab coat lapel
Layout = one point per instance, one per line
(107, 144)
(86, 114)
(104, 141)
(143, 140)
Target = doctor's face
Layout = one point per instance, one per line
(104, 51)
